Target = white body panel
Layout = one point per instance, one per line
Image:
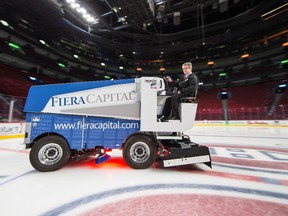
(151, 105)
(134, 99)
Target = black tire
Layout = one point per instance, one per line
(139, 152)
(49, 153)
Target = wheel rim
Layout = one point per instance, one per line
(50, 154)
(140, 152)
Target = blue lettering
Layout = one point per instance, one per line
(237, 155)
(54, 101)
(279, 156)
(235, 150)
(212, 151)
(81, 101)
(73, 100)
(66, 101)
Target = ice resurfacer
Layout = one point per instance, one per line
(78, 120)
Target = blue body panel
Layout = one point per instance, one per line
(38, 96)
(83, 132)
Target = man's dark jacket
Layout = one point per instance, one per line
(188, 86)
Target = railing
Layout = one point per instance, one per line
(248, 113)
(11, 108)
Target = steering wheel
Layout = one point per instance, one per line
(167, 87)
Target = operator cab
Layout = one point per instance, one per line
(162, 97)
(153, 97)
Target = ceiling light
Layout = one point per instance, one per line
(210, 63)
(61, 65)
(159, 2)
(4, 23)
(121, 19)
(42, 42)
(92, 20)
(86, 15)
(245, 56)
(74, 5)
(115, 9)
(82, 10)
(14, 46)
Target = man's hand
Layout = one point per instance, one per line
(168, 79)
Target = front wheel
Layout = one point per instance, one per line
(139, 152)
(49, 153)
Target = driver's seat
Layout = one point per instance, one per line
(189, 99)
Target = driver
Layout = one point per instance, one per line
(186, 86)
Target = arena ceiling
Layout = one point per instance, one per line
(135, 31)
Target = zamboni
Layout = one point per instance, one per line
(78, 120)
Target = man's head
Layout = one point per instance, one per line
(187, 68)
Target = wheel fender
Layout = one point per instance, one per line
(47, 135)
(151, 136)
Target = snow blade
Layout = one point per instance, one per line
(187, 155)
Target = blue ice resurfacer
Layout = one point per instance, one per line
(77, 120)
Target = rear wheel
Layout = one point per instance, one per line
(49, 153)
(139, 152)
